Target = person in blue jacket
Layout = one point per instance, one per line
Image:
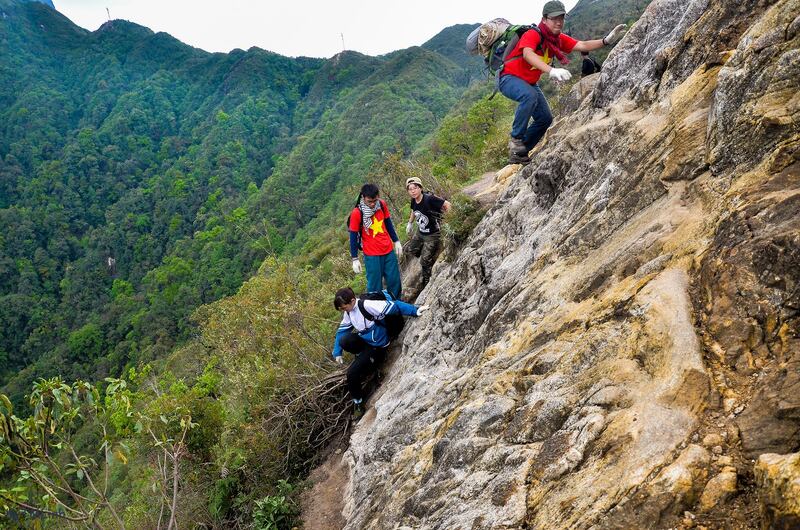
(367, 328)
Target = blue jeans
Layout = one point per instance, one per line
(532, 104)
(380, 268)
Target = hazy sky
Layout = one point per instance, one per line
(312, 28)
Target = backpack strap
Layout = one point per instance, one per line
(539, 47)
(367, 315)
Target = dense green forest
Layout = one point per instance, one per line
(171, 228)
(141, 178)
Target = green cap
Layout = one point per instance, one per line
(553, 8)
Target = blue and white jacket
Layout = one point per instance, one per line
(373, 333)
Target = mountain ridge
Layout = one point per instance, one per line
(115, 117)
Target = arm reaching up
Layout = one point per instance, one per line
(615, 35)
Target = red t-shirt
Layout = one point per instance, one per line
(530, 39)
(375, 240)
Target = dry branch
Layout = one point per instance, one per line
(304, 422)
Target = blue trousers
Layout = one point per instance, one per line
(532, 105)
(380, 268)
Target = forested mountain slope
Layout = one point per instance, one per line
(141, 178)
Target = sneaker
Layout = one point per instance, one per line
(358, 411)
(517, 147)
(519, 159)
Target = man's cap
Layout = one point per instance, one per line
(554, 8)
(413, 180)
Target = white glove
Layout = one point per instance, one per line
(560, 74)
(615, 35)
(356, 266)
(421, 309)
(409, 228)
(398, 248)
(339, 359)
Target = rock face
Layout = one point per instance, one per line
(778, 481)
(719, 489)
(643, 266)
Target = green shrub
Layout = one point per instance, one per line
(460, 221)
(276, 512)
(222, 496)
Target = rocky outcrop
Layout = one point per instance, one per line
(635, 284)
(778, 481)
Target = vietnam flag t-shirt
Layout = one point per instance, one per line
(375, 240)
(530, 39)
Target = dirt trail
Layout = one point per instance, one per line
(322, 504)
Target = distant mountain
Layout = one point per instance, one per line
(450, 42)
(48, 3)
(141, 177)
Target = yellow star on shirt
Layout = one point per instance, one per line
(546, 58)
(376, 227)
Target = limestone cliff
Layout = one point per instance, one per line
(617, 342)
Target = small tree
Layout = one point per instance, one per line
(52, 478)
(167, 433)
(55, 477)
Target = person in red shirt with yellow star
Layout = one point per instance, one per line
(370, 222)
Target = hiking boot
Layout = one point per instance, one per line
(517, 147)
(519, 159)
(358, 411)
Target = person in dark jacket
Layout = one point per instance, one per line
(366, 329)
(590, 65)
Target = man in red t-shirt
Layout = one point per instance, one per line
(524, 66)
(379, 242)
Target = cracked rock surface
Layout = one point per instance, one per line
(641, 274)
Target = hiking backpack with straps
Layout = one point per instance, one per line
(394, 324)
(384, 209)
(496, 39)
(375, 295)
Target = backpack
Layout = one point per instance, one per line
(496, 39)
(394, 324)
(375, 295)
(384, 209)
(590, 66)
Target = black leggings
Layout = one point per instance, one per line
(368, 360)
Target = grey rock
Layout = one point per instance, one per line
(561, 370)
